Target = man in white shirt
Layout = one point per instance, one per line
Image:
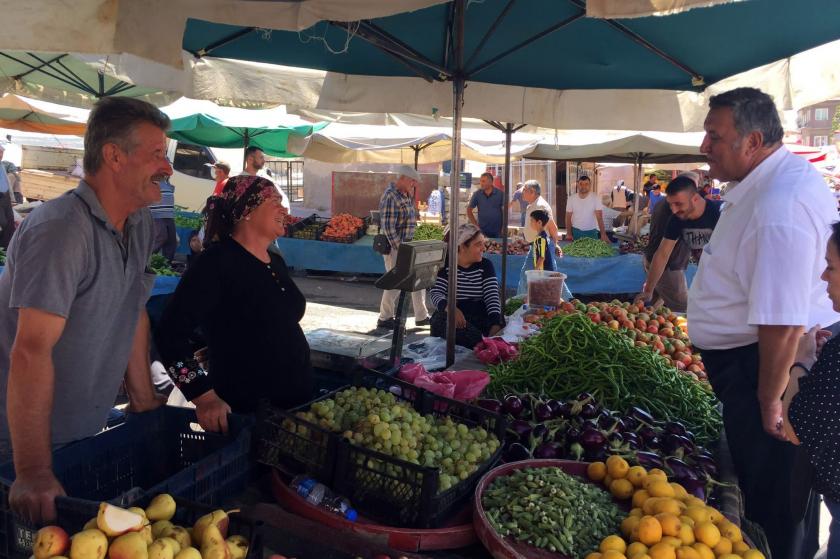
(757, 289)
(584, 213)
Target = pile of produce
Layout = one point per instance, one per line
(343, 225)
(136, 533)
(188, 221)
(308, 231)
(666, 522)
(513, 304)
(588, 248)
(571, 355)
(635, 247)
(291, 220)
(515, 246)
(550, 509)
(160, 266)
(657, 329)
(428, 232)
(2, 256)
(581, 429)
(376, 420)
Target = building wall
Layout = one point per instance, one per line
(814, 131)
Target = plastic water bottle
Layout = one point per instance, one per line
(320, 495)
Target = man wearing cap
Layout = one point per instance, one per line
(397, 220)
(222, 173)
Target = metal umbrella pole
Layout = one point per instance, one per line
(455, 178)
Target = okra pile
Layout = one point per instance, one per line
(549, 509)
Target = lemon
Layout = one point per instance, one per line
(596, 471)
(613, 543)
(706, 532)
(650, 531)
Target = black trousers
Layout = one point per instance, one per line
(166, 238)
(477, 327)
(774, 476)
(7, 219)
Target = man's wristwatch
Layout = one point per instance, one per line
(801, 366)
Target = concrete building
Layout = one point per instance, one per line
(815, 123)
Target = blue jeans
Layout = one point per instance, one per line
(522, 287)
(834, 529)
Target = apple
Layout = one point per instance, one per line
(49, 542)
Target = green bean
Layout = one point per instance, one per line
(589, 248)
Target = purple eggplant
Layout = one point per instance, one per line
(616, 437)
(690, 436)
(488, 404)
(589, 411)
(566, 410)
(677, 445)
(630, 423)
(554, 406)
(684, 474)
(649, 460)
(640, 415)
(631, 437)
(542, 412)
(653, 444)
(513, 405)
(549, 451)
(572, 435)
(588, 424)
(517, 452)
(605, 420)
(675, 427)
(585, 397)
(705, 463)
(539, 433)
(646, 432)
(522, 429)
(592, 439)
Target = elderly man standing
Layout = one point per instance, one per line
(397, 220)
(531, 194)
(490, 202)
(757, 288)
(73, 291)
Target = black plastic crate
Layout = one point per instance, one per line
(150, 453)
(312, 230)
(378, 485)
(293, 227)
(349, 239)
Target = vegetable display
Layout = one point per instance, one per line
(2, 256)
(550, 509)
(188, 221)
(634, 247)
(515, 246)
(588, 248)
(428, 232)
(160, 265)
(513, 304)
(343, 225)
(572, 355)
(376, 420)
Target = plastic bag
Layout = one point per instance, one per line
(457, 385)
(431, 353)
(492, 351)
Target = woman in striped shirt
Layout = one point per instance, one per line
(479, 309)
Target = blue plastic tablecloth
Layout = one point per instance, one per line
(183, 240)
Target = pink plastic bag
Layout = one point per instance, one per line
(458, 385)
(492, 351)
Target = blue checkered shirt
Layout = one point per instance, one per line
(397, 216)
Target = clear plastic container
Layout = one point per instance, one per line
(545, 289)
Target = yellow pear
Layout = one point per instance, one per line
(159, 527)
(211, 536)
(172, 543)
(218, 518)
(177, 533)
(89, 544)
(162, 507)
(116, 521)
(90, 524)
(160, 550)
(129, 546)
(146, 532)
(188, 553)
(49, 542)
(238, 546)
(137, 510)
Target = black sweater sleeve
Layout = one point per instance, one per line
(194, 299)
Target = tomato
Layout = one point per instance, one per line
(627, 324)
(694, 368)
(679, 365)
(660, 319)
(613, 324)
(696, 358)
(679, 345)
(652, 329)
(641, 324)
(594, 317)
(687, 361)
(640, 343)
(644, 316)
(667, 332)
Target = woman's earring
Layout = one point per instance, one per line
(247, 219)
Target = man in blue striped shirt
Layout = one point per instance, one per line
(166, 240)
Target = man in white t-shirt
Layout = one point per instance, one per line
(757, 289)
(584, 213)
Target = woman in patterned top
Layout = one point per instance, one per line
(479, 309)
(812, 400)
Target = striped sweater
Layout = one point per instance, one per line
(478, 291)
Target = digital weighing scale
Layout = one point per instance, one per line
(417, 266)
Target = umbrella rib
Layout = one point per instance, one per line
(492, 29)
(696, 79)
(222, 42)
(447, 40)
(47, 63)
(119, 88)
(526, 42)
(417, 56)
(71, 75)
(80, 85)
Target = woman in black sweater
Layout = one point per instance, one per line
(239, 300)
(479, 309)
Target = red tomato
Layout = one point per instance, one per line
(652, 329)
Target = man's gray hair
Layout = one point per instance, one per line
(753, 111)
(113, 121)
(532, 185)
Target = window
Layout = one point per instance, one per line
(288, 175)
(821, 113)
(820, 141)
(193, 161)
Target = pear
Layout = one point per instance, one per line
(138, 510)
(90, 524)
(188, 553)
(159, 527)
(116, 521)
(89, 544)
(49, 542)
(129, 546)
(218, 518)
(146, 532)
(174, 545)
(162, 507)
(238, 546)
(179, 534)
(211, 536)
(216, 551)
(160, 550)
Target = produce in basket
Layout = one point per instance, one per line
(343, 225)
(635, 247)
(588, 248)
(572, 355)
(550, 509)
(666, 522)
(376, 420)
(515, 246)
(428, 232)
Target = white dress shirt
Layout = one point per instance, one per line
(763, 263)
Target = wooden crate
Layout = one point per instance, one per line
(45, 185)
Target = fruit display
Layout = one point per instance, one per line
(160, 266)
(137, 533)
(571, 354)
(589, 248)
(582, 429)
(515, 246)
(309, 231)
(376, 420)
(550, 509)
(634, 247)
(343, 225)
(428, 232)
(666, 522)
(291, 220)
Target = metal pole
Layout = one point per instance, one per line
(455, 178)
(506, 210)
(637, 181)
(245, 141)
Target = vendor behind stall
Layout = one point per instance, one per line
(248, 310)
(479, 310)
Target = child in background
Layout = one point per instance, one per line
(543, 246)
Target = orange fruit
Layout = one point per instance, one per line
(686, 552)
(640, 556)
(627, 526)
(730, 556)
(693, 501)
(686, 534)
(704, 550)
(753, 554)
(670, 524)
(740, 547)
(648, 505)
(636, 511)
(653, 478)
(612, 554)
(639, 498)
(660, 489)
(715, 515)
(662, 551)
(679, 491)
(687, 520)
(596, 471)
(698, 514)
(636, 475)
(724, 547)
(671, 506)
(613, 543)
(672, 541)
(657, 472)
(617, 467)
(706, 532)
(650, 531)
(730, 531)
(608, 479)
(593, 555)
(636, 548)
(621, 489)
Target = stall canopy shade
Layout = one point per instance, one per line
(32, 115)
(207, 124)
(631, 149)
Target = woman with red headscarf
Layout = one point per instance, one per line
(239, 301)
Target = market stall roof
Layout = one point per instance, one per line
(33, 115)
(207, 124)
(638, 148)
